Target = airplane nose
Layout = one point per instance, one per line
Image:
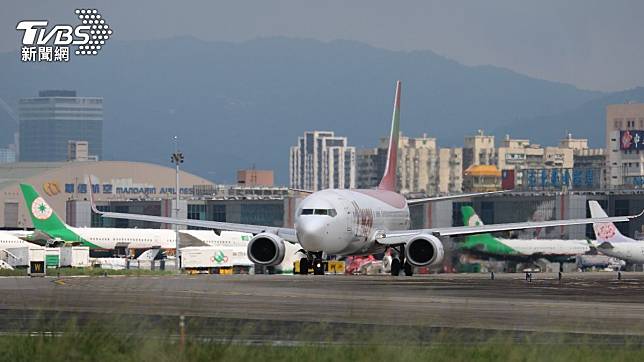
(311, 232)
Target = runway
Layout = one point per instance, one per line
(586, 303)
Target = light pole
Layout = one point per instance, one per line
(177, 158)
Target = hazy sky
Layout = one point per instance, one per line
(590, 43)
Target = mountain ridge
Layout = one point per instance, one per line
(234, 105)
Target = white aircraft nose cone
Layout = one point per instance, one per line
(311, 232)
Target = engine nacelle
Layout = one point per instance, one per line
(424, 250)
(266, 249)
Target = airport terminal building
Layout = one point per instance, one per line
(134, 187)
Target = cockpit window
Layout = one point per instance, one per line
(329, 212)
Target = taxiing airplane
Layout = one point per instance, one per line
(521, 250)
(611, 242)
(357, 222)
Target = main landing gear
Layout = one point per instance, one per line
(398, 263)
(313, 260)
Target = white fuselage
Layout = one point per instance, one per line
(109, 238)
(344, 222)
(8, 241)
(547, 246)
(630, 251)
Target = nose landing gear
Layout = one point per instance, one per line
(318, 267)
(314, 261)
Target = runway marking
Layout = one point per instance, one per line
(59, 282)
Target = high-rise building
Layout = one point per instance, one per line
(422, 168)
(322, 160)
(479, 150)
(625, 145)
(48, 122)
(370, 166)
(520, 155)
(417, 164)
(586, 158)
(450, 170)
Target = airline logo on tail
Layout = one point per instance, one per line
(40, 209)
(470, 218)
(605, 231)
(474, 220)
(45, 218)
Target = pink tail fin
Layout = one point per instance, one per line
(388, 181)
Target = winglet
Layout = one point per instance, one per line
(388, 181)
(91, 197)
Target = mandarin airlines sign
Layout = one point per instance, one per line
(110, 189)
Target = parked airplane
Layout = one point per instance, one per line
(357, 222)
(47, 222)
(611, 242)
(8, 240)
(521, 250)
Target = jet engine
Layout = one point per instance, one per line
(266, 249)
(424, 250)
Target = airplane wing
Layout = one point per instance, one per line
(399, 237)
(190, 240)
(285, 233)
(450, 197)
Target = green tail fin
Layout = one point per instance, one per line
(470, 218)
(46, 220)
(42, 215)
(482, 242)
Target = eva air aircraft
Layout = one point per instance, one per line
(521, 250)
(46, 221)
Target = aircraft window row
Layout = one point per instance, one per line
(119, 239)
(329, 212)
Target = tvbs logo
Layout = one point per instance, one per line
(51, 44)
